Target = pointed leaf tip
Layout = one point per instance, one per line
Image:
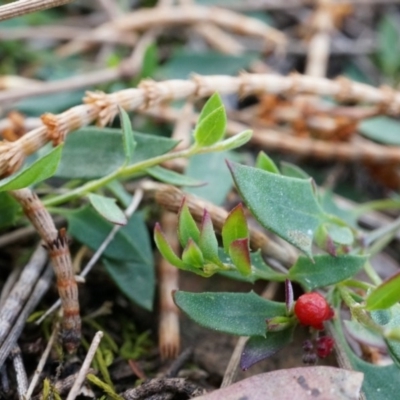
(240, 255)
(165, 248)
(235, 227)
(187, 227)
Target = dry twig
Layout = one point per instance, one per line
(85, 366)
(105, 107)
(57, 246)
(22, 7)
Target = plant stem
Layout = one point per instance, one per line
(391, 228)
(357, 312)
(375, 278)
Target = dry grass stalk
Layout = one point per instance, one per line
(171, 198)
(318, 46)
(57, 246)
(14, 300)
(59, 32)
(168, 326)
(20, 373)
(41, 364)
(23, 7)
(104, 108)
(136, 200)
(12, 81)
(190, 14)
(85, 366)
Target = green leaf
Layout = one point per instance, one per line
(108, 209)
(211, 125)
(329, 206)
(392, 323)
(379, 382)
(241, 314)
(192, 255)
(385, 295)
(165, 249)
(172, 177)
(265, 163)
(289, 169)
(340, 234)
(187, 227)
(89, 228)
(8, 210)
(381, 129)
(240, 255)
(208, 242)
(90, 147)
(259, 348)
(388, 45)
(41, 169)
(286, 206)
(136, 279)
(210, 168)
(326, 270)
(129, 141)
(235, 227)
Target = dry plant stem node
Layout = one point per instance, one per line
(56, 244)
(103, 108)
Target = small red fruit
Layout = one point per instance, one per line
(312, 309)
(324, 346)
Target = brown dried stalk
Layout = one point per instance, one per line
(85, 366)
(14, 301)
(104, 108)
(57, 246)
(147, 18)
(318, 46)
(23, 7)
(168, 326)
(171, 198)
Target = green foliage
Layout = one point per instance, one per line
(236, 313)
(385, 295)
(286, 206)
(381, 129)
(41, 169)
(265, 163)
(107, 208)
(325, 270)
(210, 128)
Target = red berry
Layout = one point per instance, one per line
(324, 346)
(312, 309)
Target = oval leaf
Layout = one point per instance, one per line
(108, 209)
(41, 169)
(211, 125)
(325, 270)
(241, 314)
(385, 295)
(286, 206)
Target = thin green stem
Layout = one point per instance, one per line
(377, 205)
(391, 228)
(375, 278)
(357, 312)
(357, 284)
